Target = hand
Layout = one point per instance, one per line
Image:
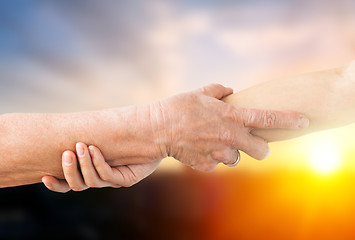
(196, 128)
(201, 131)
(95, 172)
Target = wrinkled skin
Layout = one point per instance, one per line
(196, 128)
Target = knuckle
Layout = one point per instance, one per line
(105, 177)
(249, 116)
(204, 90)
(224, 136)
(208, 88)
(220, 156)
(229, 138)
(269, 119)
(233, 113)
(216, 85)
(216, 155)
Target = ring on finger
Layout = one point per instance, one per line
(237, 160)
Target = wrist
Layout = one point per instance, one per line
(159, 121)
(139, 133)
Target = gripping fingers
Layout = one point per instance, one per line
(55, 184)
(225, 156)
(71, 172)
(104, 171)
(253, 146)
(74, 179)
(91, 178)
(120, 176)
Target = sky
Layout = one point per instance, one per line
(77, 54)
(62, 56)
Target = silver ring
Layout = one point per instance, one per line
(236, 161)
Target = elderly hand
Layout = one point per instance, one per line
(196, 128)
(201, 131)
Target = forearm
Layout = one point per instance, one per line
(327, 98)
(31, 145)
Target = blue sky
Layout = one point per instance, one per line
(83, 54)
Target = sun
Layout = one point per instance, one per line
(325, 157)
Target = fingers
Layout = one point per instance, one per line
(89, 173)
(90, 176)
(95, 171)
(121, 176)
(216, 91)
(125, 175)
(71, 172)
(55, 184)
(206, 164)
(103, 171)
(255, 118)
(225, 156)
(85, 177)
(255, 147)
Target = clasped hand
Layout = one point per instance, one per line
(197, 128)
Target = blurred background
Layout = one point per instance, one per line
(63, 56)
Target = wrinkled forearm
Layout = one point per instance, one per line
(31, 145)
(327, 98)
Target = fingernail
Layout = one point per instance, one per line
(67, 160)
(303, 122)
(268, 152)
(46, 183)
(80, 150)
(91, 150)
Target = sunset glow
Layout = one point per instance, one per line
(325, 157)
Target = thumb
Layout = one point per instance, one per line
(56, 185)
